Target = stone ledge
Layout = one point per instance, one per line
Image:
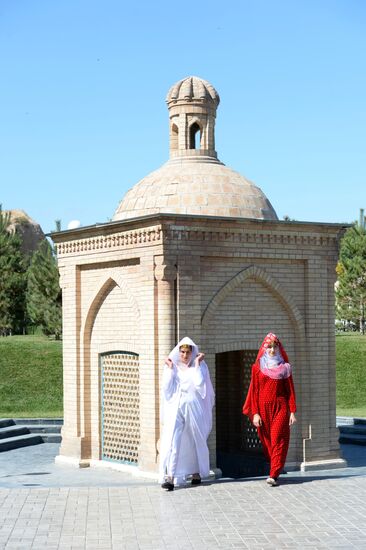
(72, 461)
(323, 465)
(126, 468)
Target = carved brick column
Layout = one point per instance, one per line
(72, 448)
(165, 275)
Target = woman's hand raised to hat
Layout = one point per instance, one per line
(169, 362)
(199, 358)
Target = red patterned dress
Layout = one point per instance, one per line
(273, 399)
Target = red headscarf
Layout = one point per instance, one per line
(269, 339)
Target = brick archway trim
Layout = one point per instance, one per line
(110, 280)
(260, 275)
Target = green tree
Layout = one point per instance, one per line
(43, 291)
(351, 270)
(12, 280)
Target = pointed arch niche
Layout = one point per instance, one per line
(111, 327)
(265, 279)
(174, 137)
(195, 135)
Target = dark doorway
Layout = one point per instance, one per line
(239, 451)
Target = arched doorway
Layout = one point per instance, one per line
(239, 451)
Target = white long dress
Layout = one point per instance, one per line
(187, 400)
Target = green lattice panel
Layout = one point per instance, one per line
(120, 407)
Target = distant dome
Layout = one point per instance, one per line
(74, 224)
(194, 181)
(192, 88)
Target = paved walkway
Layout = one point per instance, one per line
(47, 506)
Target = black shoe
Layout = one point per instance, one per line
(168, 486)
(196, 481)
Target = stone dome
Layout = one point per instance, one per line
(194, 181)
(203, 188)
(192, 88)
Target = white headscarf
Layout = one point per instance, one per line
(174, 355)
(206, 392)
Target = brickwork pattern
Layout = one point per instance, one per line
(251, 277)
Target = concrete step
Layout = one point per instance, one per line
(48, 428)
(49, 434)
(4, 422)
(344, 421)
(13, 431)
(37, 430)
(19, 441)
(51, 437)
(352, 430)
(353, 439)
(42, 428)
(43, 421)
(359, 429)
(360, 421)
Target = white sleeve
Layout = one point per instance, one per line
(169, 384)
(199, 378)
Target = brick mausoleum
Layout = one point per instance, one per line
(194, 249)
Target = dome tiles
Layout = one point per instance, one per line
(202, 188)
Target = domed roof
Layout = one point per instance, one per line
(203, 188)
(194, 181)
(192, 88)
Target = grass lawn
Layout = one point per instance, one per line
(31, 377)
(351, 375)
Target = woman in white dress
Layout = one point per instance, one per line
(186, 411)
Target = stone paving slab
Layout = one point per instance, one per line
(45, 506)
(316, 514)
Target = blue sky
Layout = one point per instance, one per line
(82, 100)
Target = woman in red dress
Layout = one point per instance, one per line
(271, 403)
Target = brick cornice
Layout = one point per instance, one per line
(285, 235)
(251, 237)
(102, 243)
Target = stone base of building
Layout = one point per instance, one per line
(72, 461)
(125, 468)
(331, 464)
(291, 467)
(215, 473)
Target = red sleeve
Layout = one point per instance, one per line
(291, 394)
(250, 407)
